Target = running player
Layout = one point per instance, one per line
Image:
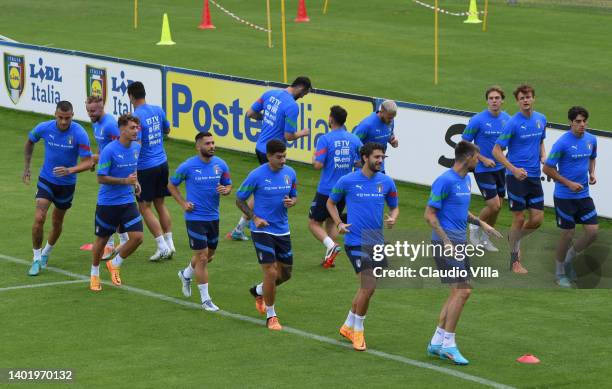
(447, 213)
(336, 154)
(365, 191)
(274, 189)
(153, 170)
(65, 142)
(574, 153)
(484, 129)
(524, 137)
(206, 177)
(116, 203)
(105, 130)
(378, 127)
(278, 111)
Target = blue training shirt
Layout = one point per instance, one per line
(337, 151)
(153, 124)
(62, 148)
(451, 195)
(201, 181)
(523, 136)
(105, 131)
(365, 203)
(483, 129)
(573, 155)
(280, 114)
(269, 188)
(117, 161)
(373, 129)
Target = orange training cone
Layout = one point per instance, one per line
(206, 23)
(302, 15)
(528, 359)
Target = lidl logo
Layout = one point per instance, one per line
(14, 75)
(95, 80)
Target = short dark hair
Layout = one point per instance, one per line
(137, 90)
(94, 99)
(302, 81)
(127, 117)
(495, 88)
(575, 111)
(64, 106)
(367, 149)
(524, 89)
(201, 135)
(338, 114)
(275, 146)
(465, 150)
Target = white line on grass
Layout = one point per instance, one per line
(295, 331)
(28, 286)
(6, 38)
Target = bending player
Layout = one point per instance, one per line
(574, 154)
(65, 142)
(365, 191)
(484, 129)
(105, 130)
(274, 189)
(206, 177)
(447, 213)
(116, 203)
(336, 154)
(523, 136)
(278, 111)
(379, 126)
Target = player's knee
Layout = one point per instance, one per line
(210, 258)
(39, 219)
(464, 293)
(495, 206)
(285, 273)
(592, 233)
(271, 272)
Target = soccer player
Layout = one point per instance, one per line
(336, 154)
(378, 127)
(274, 189)
(105, 131)
(523, 136)
(206, 177)
(116, 203)
(484, 129)
(278, 111)
(447, 213)
(365, 192)
(153, 170)
(65, 142)
(574, 153)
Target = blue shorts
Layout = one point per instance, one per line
(124, 218)
(362, 258)
(491, 184)
(318, 207)
(60, 195)
(575, 211)
(153, 182)
(525, 194)
(272, 248)
(444, 264)
(203, 234)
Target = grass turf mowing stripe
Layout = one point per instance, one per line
(28, 286)
(237, 316)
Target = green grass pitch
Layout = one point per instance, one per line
(121, 338)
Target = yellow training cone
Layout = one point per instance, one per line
(166, 39)
(472, 13)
